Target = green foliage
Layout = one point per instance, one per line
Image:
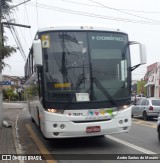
(6, 7)
(31, 91)
(5, 49)
(141, 89)
(9, 94)
(8, 50)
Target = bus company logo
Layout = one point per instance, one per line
(75, 114)
(108, 38)
(92, 113)
(93, 38)
(101, 112)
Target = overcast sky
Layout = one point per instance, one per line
(139, 18)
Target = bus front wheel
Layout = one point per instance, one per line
(32, 119)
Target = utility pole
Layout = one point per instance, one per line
(1, 55)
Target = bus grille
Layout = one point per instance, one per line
(88, 121)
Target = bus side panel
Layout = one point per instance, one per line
(40, 114)
(32, 97)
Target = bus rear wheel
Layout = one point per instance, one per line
(32, 119)
(159, 134)
(38, 117)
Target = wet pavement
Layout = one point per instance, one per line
(8, 140)
(15, 140)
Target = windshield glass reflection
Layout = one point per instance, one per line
(73, 59)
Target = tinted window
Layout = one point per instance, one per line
(139, 101)
(147, 103)
(85, 62)
(156, 102)
(144, 102)
(109, 65)
(66, 64)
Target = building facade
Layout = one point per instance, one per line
(153, 80)
(11, 81)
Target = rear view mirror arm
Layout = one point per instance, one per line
(134, 67)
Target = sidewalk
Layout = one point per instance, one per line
(7, 135)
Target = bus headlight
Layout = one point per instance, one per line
(55, 111)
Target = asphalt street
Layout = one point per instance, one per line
(142, 139)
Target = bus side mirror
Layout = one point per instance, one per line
(142, 54)
(37, 52)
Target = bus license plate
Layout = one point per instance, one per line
(93, 129)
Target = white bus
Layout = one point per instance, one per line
(78, 81)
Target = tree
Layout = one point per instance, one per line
(6, 50)
(6, 6)
(10, 94)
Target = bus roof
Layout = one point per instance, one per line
(80, 28)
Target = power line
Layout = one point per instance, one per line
(21, 30)
(15, 33)
(28, 20)
(90, 5)
(19, 43)
(18, 39)
(37, 14)
(147, 12)
(53, 8)
(124, 11)
(15, 36)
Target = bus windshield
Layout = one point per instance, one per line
(74, 61)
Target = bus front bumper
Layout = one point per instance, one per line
(68, 129)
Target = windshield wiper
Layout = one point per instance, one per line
(80, 80)
(63, 38)
(67, 37)
(104, 91)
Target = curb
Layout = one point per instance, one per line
(16, 108)
(15, 138)
(14, 101)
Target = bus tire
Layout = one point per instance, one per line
(38, 118)
(32, 119)
(159, 134)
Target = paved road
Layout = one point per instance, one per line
(12, 105)
(141, 139)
